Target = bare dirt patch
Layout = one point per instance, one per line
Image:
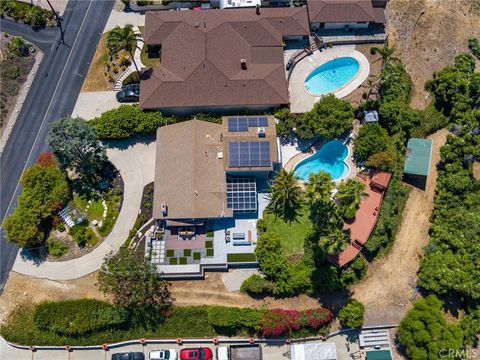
(355, 97)
(390, 282)
(96, 80)
(212, 291)
(20, 288)
(428, 34)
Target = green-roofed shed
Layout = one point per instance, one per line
(379, 355)
(419, 155)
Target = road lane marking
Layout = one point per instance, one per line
(46, 113)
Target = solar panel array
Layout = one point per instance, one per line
(248, 154)
(242, 123)
(242, 194)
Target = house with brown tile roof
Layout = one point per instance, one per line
(220, 60)
(346, 14)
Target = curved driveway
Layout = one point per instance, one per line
(52, 95)
(136, 163)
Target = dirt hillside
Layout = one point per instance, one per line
(428, 34)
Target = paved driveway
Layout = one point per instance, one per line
(92, 104)
(136, 163)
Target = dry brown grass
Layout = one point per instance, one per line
(428, 42)
(95, 80)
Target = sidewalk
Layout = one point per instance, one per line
(136, 163)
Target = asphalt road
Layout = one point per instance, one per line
(52, 95)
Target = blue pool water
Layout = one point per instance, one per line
(329, 159)
(332, 75)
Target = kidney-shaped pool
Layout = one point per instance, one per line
(332, 75)
(330, 158)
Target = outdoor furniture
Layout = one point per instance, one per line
(238, 236)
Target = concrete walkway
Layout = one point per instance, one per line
(136, 163)
(93, 103)
(300, 100)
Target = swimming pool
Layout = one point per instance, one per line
(332, 75)
(330, 158)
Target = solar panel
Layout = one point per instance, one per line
(242, 123)
(249, 154)
(242, 194)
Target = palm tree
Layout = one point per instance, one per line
(349, 195)
(122, 39)
(334, 241)
(319, 187)
(285, 197)
(386, 53)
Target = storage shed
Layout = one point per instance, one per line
(417, 162)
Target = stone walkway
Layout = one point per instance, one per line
(136, 163)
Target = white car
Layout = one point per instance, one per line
(170, 354)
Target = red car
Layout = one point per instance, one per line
(196, 354)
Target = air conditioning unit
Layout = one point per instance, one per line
(164, 209)
(261, 132)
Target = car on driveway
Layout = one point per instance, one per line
(164, 354)
(134, 87)
(201, 353)
(129, 356)
(127, 96)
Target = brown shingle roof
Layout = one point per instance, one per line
(189, 177)
(328, 11)
(201, 54)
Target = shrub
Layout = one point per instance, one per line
(56, 248)
(183, 261)
(18, 46)
(383, 160)
(77, 317)
(351, 315)
(474, 46)
(173, 261)
(371, 139)
(197, 256)
(233, 318)
(257, 285)
(241, 257)
(83, 235)
(126, 121)
(284, 322)
(210, 252)
(187, 252)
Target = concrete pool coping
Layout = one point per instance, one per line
(300, 100)
(347, 174)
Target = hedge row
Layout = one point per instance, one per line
(126, 121)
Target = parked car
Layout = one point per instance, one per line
(164, 354)
(127, 96)
(129, 356)
(201, 353)
(133, 87)
(289, 64)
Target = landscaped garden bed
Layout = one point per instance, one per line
(17, 60)
(27, 13)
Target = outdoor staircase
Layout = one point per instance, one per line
(312, 43)
(138, 50)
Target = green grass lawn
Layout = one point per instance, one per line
(292, 234)
(94, 211)
(146, 60)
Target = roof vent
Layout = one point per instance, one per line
(197, 25)
(164, 209)
(261, 132)
(220, 155)
(243, 64)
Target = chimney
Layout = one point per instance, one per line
(257, 9)
(243, 63)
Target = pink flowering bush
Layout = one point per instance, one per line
(279, 321)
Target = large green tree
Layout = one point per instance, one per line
(351, 315)
(45, 192)
(425, 333)
(371, 139)
(285, 196)
(75, 145)
(134, 284)
(329, 118)
(122, 39)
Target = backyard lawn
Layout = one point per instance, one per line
(292, 234)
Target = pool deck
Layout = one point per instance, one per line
(300, 100)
